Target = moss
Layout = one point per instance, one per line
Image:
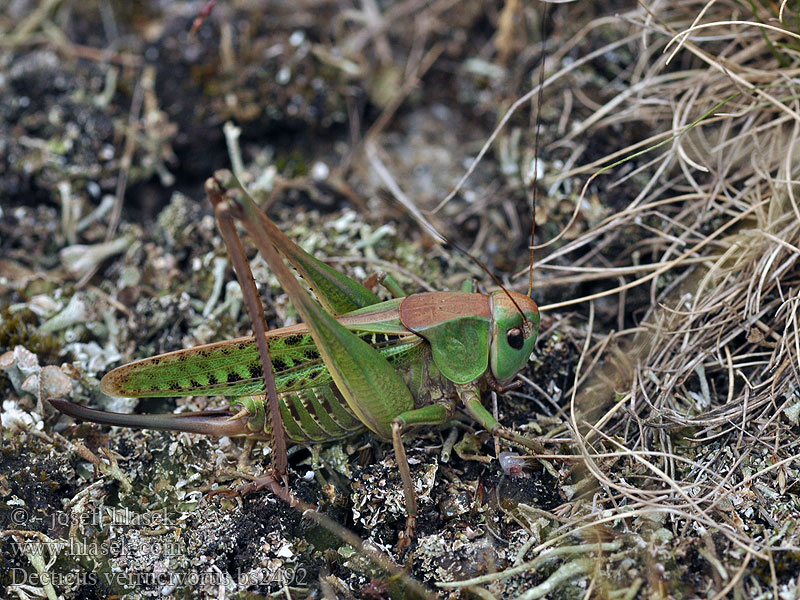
(19, 328)
(292, 165)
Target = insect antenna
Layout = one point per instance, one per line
(534, 184)
(450, 244)
(537, 125)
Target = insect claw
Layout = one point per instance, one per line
(372, 281)
(502, 389)
(268, 481)
(514, 385)
(406, 536)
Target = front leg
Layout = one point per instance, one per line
(472, 402)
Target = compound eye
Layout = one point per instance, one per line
(515, 338)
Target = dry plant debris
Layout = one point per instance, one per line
(666, 378)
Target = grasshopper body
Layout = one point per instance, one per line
(311, 409)
(358, 362)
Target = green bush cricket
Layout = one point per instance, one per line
(354, 362)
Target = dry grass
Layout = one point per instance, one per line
(687, 423)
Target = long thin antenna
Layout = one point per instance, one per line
(537, 125)
(454, 246)
(401, 197)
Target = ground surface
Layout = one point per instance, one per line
(671, 472)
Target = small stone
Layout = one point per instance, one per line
(25, 360)
(31, 385)
(54, 383)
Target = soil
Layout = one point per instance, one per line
(113, 117)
